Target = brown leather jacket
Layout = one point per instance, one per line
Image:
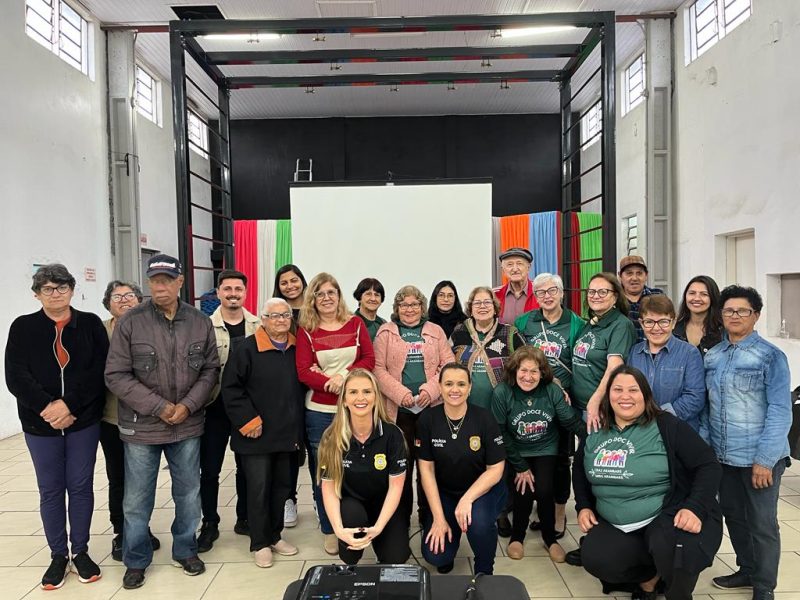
(152, 361)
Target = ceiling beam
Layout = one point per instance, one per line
(393, 79)
(267, 57)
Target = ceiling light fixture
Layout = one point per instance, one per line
(515, 32)
(254, 37)
(451, 86)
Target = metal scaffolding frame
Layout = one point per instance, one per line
(183, 41)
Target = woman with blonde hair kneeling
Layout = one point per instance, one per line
(362, 469)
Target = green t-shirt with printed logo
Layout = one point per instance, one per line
(629, 472)
(481, 392)
(414, 369)
(613, 334)
(554, 339)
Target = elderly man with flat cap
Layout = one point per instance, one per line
(162, 365)
(633, 277)
(516, 296)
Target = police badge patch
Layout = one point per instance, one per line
(475, 443)
(380, 462)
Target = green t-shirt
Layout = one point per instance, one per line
(554, 339)
(526, 420)
(629, 473)
(481, 392)
(414, 369)
(372, 326)
(613, 334)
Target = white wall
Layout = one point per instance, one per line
(738, 152)
(631, 170)
(54, 186)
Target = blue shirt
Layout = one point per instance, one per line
(750, 405)
(676, 375)
(633, 310)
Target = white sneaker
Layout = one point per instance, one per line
(289, 514)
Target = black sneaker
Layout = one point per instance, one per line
(56, 573)
(733, 581)
(763, 595)
(116, 548)
(191, 566)
(573, 558)
(242, 527)
(86, 568)
(154, 541)
(133, 578)
(503, 526)
(444, 569)
(209, 533)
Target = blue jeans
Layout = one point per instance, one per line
(752, 519)
(316, 424)
(482, 534)
(141, 471)
(64, 466)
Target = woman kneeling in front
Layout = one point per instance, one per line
(362, 468)
(645, 490)
(461, 460)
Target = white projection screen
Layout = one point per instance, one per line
(403, 234)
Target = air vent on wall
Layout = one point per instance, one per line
(198, 12)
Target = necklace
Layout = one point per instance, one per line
(455, 427)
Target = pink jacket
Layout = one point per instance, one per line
(390, 359)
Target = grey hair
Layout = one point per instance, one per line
(274, 301)
(55, 273)
(541, 278)
(116, 283)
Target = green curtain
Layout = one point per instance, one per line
(283, 243)
(591, 246)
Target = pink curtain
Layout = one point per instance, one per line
(245, 236)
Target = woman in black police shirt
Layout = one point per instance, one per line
(362, 469)
(461, 460)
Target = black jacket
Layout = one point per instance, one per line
(35, 378)
(260, 387)
(694, 471)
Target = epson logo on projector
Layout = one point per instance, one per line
(364, 583)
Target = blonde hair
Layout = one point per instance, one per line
(309, 317)
(409, 290)
(335, 441)
(475, 292)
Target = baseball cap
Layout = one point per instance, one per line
(629, 261)
(164, 264)
(520, 252)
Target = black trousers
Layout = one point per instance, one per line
(563, 472)
(268, 477)
(391, 546)
(543, 469)
(678, 557)
(213, 445)
(407, 422)
(114, 453)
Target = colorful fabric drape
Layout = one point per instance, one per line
(544, 234)
(283, 243)
(245, 236)
(575, 296)
(266, 251)
(514, 232)
(591, 246)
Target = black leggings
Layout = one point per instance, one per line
(543, 469)
(563, 473)
(391, 546)
(659, 548)
(407, 422)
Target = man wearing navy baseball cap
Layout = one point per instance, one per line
(163, 365)
(516, 296)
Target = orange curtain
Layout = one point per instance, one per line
(514, 233)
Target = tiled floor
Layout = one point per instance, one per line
(231, 574)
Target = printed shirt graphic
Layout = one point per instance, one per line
(612, 335)
(554, 342)
(629, 472)
(414, 369)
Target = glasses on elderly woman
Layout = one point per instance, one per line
(121, 297)
(48, 290)
(651, 323)
(277, 316)
(551, 291)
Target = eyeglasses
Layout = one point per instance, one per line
(601, 293)
(48, 290)
(446, 295)
(552, 291)
(409, 306)
(325, 294)
(479, 303)
(650, 323)
(121, 297)
(276, 316)
(729, 312)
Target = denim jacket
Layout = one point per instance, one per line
(750, 407)
(676, 375)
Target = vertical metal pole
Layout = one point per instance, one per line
(229, 261)
(609, 144)
(183, 195)
(566, 189)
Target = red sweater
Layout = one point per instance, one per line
(335, 352)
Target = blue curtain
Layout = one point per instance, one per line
(544, 242)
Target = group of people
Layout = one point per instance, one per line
(681, 418)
